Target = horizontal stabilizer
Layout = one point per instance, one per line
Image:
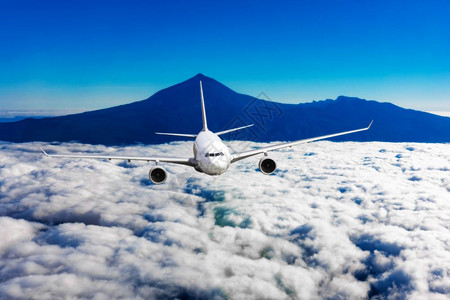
(177, 134)
(234, 129)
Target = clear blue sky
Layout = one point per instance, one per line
(94, 54)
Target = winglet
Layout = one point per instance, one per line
(205, 125)
(368, 127)
(43, 151)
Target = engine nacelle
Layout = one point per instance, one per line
(157, 175)
(267, 165)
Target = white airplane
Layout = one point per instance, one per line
(211, 155)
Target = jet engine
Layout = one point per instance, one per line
(267, 165)
(157, 175)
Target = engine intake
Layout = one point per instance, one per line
(267, 165)
(157, 175)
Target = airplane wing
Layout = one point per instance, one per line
(242, 155)
(181, 161)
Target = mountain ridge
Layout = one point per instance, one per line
(177, 109)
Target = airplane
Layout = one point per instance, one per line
(211, 155)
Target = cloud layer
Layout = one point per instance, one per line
(337, 220)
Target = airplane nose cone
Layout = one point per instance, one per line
(217, 166)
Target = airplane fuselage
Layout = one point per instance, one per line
(212, 156)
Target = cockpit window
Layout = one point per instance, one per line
(214, 154)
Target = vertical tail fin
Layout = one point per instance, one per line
(205, 125)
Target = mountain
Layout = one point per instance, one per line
(177, 109)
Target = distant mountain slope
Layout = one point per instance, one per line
(177, 109)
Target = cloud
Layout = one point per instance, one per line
(337, 220)
(16, 115)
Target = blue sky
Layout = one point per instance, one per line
(95, 54)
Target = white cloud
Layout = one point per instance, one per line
(37, 113)
(346, 220)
